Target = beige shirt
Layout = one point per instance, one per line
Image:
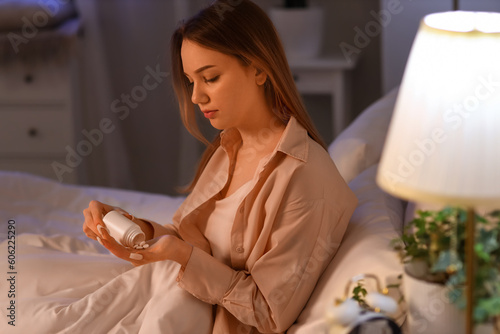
(285, 232)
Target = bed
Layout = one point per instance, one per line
(56, 262)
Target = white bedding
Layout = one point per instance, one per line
(60, 274)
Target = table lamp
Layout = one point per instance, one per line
(443, 143)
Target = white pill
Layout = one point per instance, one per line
(145, 246)
(135, 256)
(142, 243)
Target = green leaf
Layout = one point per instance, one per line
(480, 252)
(443, 262)
(490, 306)
(480, 314)
(454, 295)
(488, 240)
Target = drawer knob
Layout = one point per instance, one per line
(28, 78)
(296, 78)
(32, 132)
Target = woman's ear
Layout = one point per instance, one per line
(260, 76)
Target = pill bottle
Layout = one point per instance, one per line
(123, 230)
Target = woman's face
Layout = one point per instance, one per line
(228, 93)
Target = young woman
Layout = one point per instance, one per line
(267, 208)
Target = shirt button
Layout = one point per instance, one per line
(239, 249)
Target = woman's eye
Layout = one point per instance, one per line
(214, 79)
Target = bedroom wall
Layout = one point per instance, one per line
(124, 42)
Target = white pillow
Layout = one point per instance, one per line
(41, 14)
(365, 249)
(360, 145)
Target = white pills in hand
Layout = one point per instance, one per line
(142, 245)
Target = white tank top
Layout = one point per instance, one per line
(220, 223)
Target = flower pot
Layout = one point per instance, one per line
(300, 30)
(430, 311)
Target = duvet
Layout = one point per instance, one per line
(56, 280)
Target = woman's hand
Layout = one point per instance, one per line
(93, 224)
(166, 247)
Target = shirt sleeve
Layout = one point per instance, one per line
(271, 294)
(159, 230)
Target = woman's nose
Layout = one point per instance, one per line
(198, 96)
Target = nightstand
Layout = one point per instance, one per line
(37, 89)
(36, 120)
(326, 75)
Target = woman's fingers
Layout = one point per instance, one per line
(93, 224)
(95, 228)
(87, 229)
(100, 228)
(98, 211)
(127, 254)
(93, 218)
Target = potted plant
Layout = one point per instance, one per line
(300, 27)
(432, 248)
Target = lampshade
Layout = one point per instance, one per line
(443, 143)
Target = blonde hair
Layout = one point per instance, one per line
(242, 29)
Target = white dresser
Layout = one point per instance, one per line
(36, 121)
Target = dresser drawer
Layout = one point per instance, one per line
(38, 131)
(26, 84)
(40, 167)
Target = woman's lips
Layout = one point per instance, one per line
(209, 113)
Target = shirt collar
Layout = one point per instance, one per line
(293, 142)
(230, 140)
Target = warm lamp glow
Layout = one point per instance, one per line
(464, 21)
(443, 143)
